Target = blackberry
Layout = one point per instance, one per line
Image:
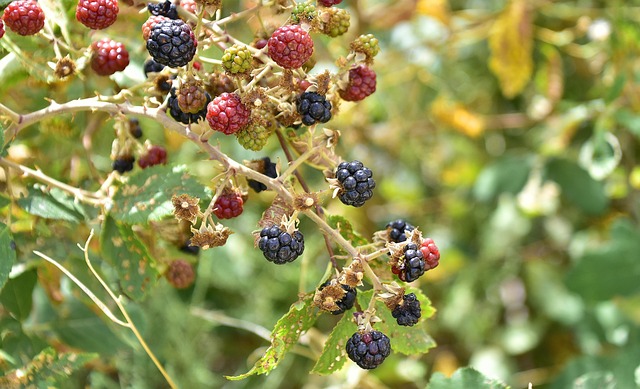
(237, 59)
(191, 96)
(184, 117)
(172, 43)
(228, 205)
(189, 249)
(368, 349)
(398, 229)
(279, 246)
(254, 137)
(335, 21)
(356, 183)
(108, 57)
(149, 24)
(407, 312)
(267, 168)
(156, 155)
(303, 12)
(97, 14)
(366, 44)
(362, 83)
(1, 28)
(180, 274)
(313, 107)
(329, 3)
(290, 46)
(123, 164)
(151, 66)
(227, 114)
(134, 128)
(167, 9)
(219, 83)
(346, 302)
(412, 265)
(24, 17)
(430, 253)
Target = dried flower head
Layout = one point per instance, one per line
(185, 207)
(207, 236)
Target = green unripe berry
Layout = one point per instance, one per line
(237, 59)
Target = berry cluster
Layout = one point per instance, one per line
(398, 230)
(407, 312)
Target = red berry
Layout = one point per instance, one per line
(362, 83)
(290, 46)
(97, 14)
(24, 17)
(227, 114)
(260, 44)
(430, 253)
(108, 57)
(329, 3)
(228, 205)
(156, 155)
(197, 65)
(303, 85)
(1, 28)
(149, 23)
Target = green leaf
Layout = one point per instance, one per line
(52, 204)
(4, 201)
(7, 253)
(301, 316)
(333, 354)
(17, 295)
(506, 175)
(466, 377)
(596, 380)
(346, 229)
(147, 195)
(129, 256)
(50, 369)
(620, 259)
(578, 187)
(404, 340)
(4, 4)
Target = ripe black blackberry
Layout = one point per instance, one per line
(313, 107)
(398, 229)
(172, 43)
(151, 66)
(279, 246)
(413, 265)
(185, 117)
(356, 183)
(268, 168)
(189, 249)
(123, 164)
(347, 301)
(134, 128)
(368, 349)
(407, 312)
(167, 9)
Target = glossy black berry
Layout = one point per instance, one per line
(123, 164)
(414, 265)
(151, 66)
(280, 247)
(347, 301)
(134, 128)
(185, 117)
(167, 9)
(369, 349)
(172, 43)
(356, 183)
(189, 249)
(397, 230)
(313, 107)
(269, 170)
(407, 313)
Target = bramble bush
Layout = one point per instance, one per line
(208, 193)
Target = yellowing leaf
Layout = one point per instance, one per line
(511, 44)
(437, 9)
(456, 116)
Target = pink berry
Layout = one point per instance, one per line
(227, 114)
(156, 155)
(362, 83)
(290, 46)
(430, 253)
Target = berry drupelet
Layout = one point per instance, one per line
(24, 17)
(368, 349)
(97, 14)
(228, 205)
(398, 229)
(172, 43)
(279, 246)
(313, 107)
(356, 183)
(407, 312)
(362, 83)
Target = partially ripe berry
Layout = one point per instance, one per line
(189, 6)
(430, 253)
(290, 46)
(180, 274)
(227, 114)
(156, 155)
(150, 23)
(97, 14)
(108, 57)
(228, 205)
(24, 17)
(361, 83)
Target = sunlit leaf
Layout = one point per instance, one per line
(334, 354)
(511, 44)
(52, 204)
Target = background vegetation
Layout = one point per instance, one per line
(506, 130)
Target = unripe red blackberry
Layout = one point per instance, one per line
(97, 14)
(430, 253)
(290, 46)
(329, 3)
(1, 28)
(368, 349)
(155, 155)
(362, 83)
(279, 246)
(180, 274)
(24, 17)
(227, 114)
(228, 205)
(108, 57)
(407, 312)
(192, 97)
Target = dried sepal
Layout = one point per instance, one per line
(185, 207)
(352, 275)
(305, 201)
(210, 236)
(325, 298)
